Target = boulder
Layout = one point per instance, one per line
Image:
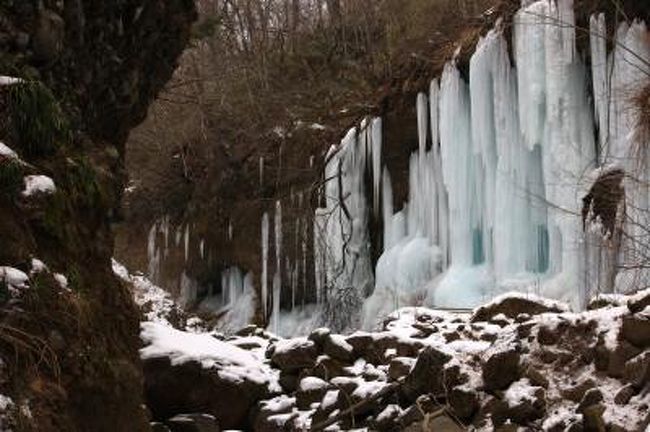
(427, 375)
(193, 423)
(637, 370)
(576, 392)
(624, 395)
(363, 345)
(464, 402)
(636, 329)
(189, 387)
(387, 419)
(336, 347)
(158, 427)
(592, 418)
(310, 390)
(526, 403)
(500, 368)
(591, 397)
(267, 413)
(400, 367)
(513, 304)
(288, 381)
(319, 335)
(294, 354)
(327, 368)
(48, 37)
(639, 301)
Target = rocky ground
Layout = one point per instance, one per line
(518, 363)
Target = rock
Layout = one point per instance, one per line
(526, 403)
(336, 347)
(363, 346)
(267, 411)
(495, 409)
(624, 395)
(500, 319)
(387, 419)
(522, 318)
(333, 400)
(346, 384)
(188, 387)
(193, 423)
(591, 397)
(310, 390)
(637, 370)
(639, 301)
(512, 305)
(501, 368)
(464, 402)
(636, 330)
(548, 356)
(427, 374)
(158, 427)
(592, 418)
(604, 301)
(613, 360)
(536, 377)
(547, 335)
(294, 354)
(415, 413)
(288, 381)
(441, 423)
(400, 367)
(327, 368)
(319, 336)
(576, 392)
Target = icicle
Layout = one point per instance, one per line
(261, 169)
(186, 241)
(265, 262)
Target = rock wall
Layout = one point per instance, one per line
(90, 69)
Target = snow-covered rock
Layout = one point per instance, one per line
(38, 184)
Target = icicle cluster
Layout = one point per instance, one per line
(496, 186)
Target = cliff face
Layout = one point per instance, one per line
(90, 69)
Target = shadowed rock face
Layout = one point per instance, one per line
(103, 62)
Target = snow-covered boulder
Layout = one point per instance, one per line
(186, 372)
(514, 303)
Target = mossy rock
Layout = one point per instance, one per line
(39, 125)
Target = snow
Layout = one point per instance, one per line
(284, 346)
(38, 266)
(38, 184)
(235, 364)
(61, 280)
(15, 279)
(312, 384)
(7, 152)
(158, 302)
(7, 80)
(519, 392)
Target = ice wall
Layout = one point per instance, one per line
(495, 203)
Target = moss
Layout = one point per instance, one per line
(11, 177)
(37, 119)
(82, 185)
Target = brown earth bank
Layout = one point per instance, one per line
(68, 327)
(196, 160)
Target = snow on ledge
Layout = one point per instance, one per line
(235, 364)
(35, 184)
(7, 80)
(7, 152)
(15, 279)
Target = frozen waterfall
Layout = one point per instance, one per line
(496, 186)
